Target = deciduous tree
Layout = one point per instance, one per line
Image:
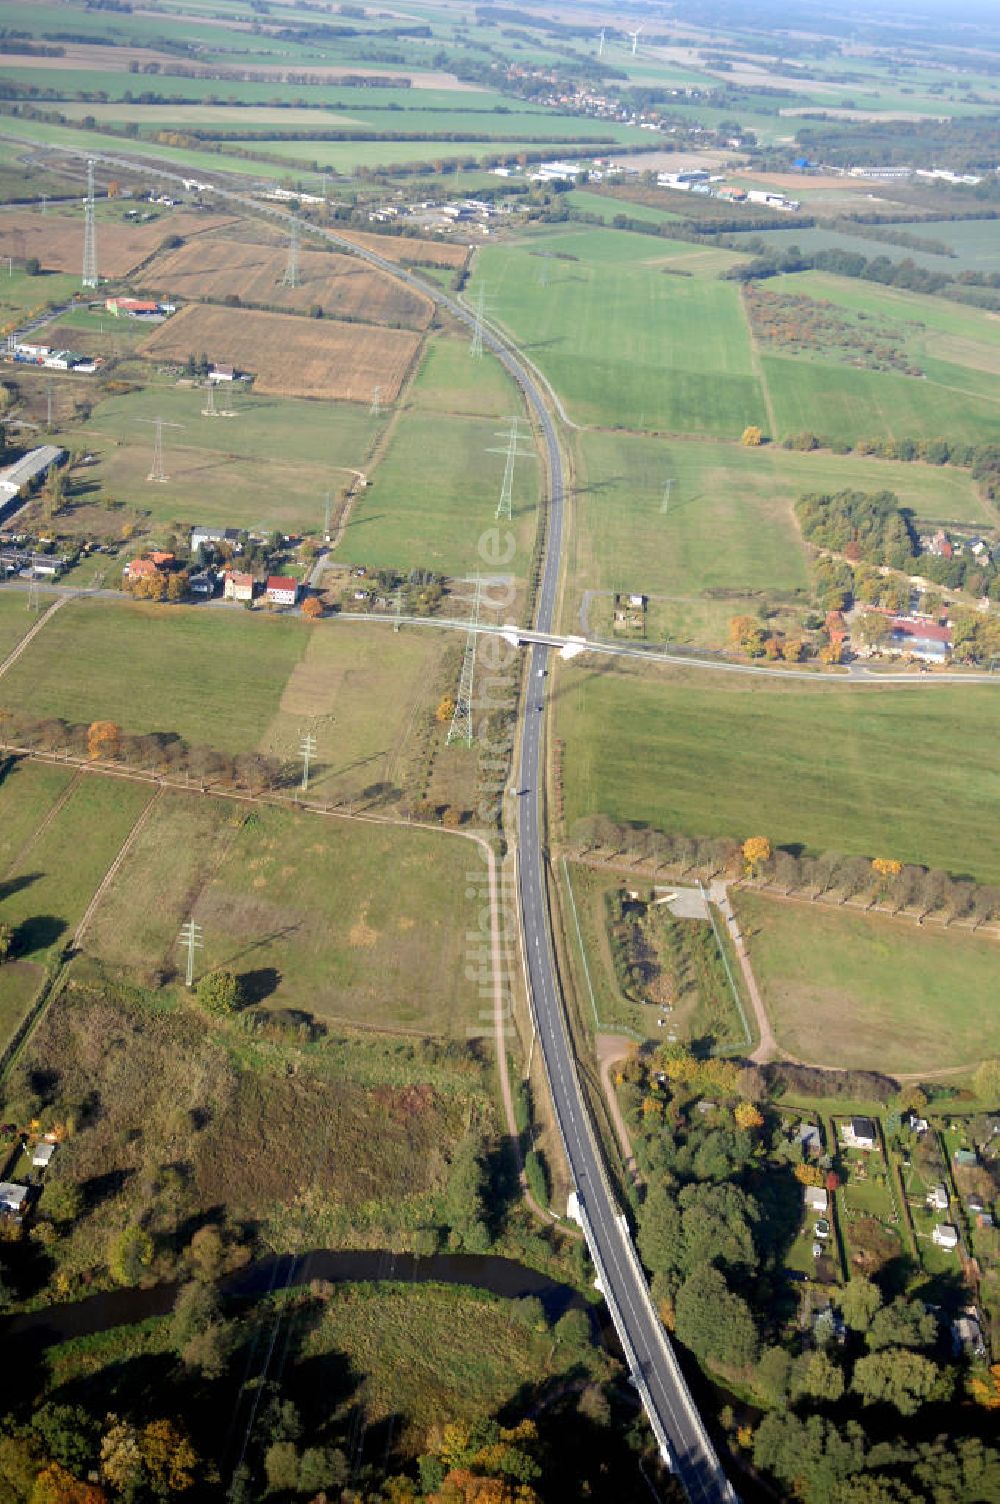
(103, 739)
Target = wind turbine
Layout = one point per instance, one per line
(635, 38)
(600, 50)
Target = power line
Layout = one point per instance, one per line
(479, 311)
(327, 509)
(89, 278)
(191, 937)
(291, 277)
(376, 407)
(157, 472)
(668, 486)
(461, 718)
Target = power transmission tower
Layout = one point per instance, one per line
(34, 599)
(668, 486)
(479, 310)
(291, 277)
(376, 407)
(45, 202)
(157, 472)
(513, 452)
(209, 410)
(461, 719)
(327, 509)
(191, 937)
(398, 608)
(307, 747)
(48, 405)
(89, 278)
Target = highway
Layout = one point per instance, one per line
(680, 1434)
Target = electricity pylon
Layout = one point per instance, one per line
(461, 718)
(291, 277)
(157, 471)
(307, 748)
(668, 486)
(89, 278)
(209, 410)
(191, 937)
(513, 452)
(376, 407)
(479, 312)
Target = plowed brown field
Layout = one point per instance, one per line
(291, 357)
(341, 285)
(405, 248)
(57, 239)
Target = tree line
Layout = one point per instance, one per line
(979, 288)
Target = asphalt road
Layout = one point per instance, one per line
(680, 1434)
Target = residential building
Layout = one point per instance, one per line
(966, 1158)
(222, 373)
(967, 1334)
(816, 1198)
(282, 590)
(133, 308)
(42, 1153)
(236, 586)
(139, 569)
(927, 640)
(12, 1199)
(809, 1137)
(938, 1198)
(201, 536)
(858, 1133)
(202, 584)
(945, 1235)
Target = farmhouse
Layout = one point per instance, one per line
(807, 1135)
(945, 1235)
(858, 1133)
(211, 535)
(223, 373)
(236, 586)
(282, 590)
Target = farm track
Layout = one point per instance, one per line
(13, 656)
(112, 871)
(58, 806)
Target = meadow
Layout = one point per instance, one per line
(15, 620)
(729, 524)
(449, 380)
(357, 924)
(51, 881)
(434, 495)
(835, 767)
(266, 468)
(864, 992)
(214, 677)
(624, 342)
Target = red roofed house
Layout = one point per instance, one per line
(282, 590)
(138, 569)
(236, 586)
(836, 626)
(160, 559)
(135, 308)
(923, 639)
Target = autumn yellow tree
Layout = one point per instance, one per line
(103, 739)
(748, 1116)
(312, 608)
(445, 710)
(756, 851)
(808, 1174)
(887, 866)
(56, 1485)
(986, 1390)
(752, 436)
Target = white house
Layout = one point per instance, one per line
(282, 590)
(816, 1198)
(858, 1133)
(945, 1235)
(236, 586)
(937, 1198)
(12, 1197)
(42, 1153)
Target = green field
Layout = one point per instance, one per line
(213, 676)
(351, 922)
(15, 620)
(451, 381)
(835, 767)
(267, 468)
(21, 294)
(624, 342)
(52, 883)
(19, 982)
(28, 792)
(729, 525)
(434, 496)
(840, 403)
(851, 991)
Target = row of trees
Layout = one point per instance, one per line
(983, 290)
(885, 881)
(161, 752)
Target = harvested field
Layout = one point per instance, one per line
(341, 285)
(57, 239)
(406, 248)
(292, 357)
